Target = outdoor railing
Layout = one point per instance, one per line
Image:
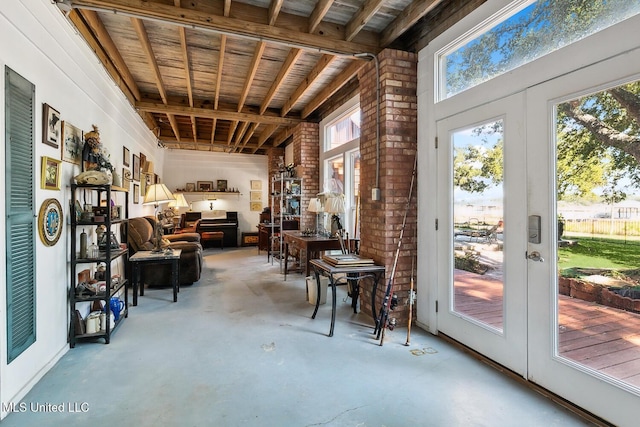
(603, 227)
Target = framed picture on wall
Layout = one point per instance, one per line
(135, 169)
(126, 178)
(136, 193)
(205, 186)
(255, 206)
(125, 156)
(256, 196)
(72, 143)
(221, 185)
(256, 184)
(50, 179)
(51, 126)
(190, 187)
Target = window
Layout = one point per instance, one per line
(521, 33)
(340, 159)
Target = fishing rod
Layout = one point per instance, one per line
(390, 300)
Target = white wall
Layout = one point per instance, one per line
(38, 43)
(238, 169)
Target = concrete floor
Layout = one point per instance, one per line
(239, 349)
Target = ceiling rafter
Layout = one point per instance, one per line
(318, 14)
(226, 25)
(320, 66)
(187, 71)
(143, 37)
(409, 16)
(159, 108)
(365, 13)
(332, 88)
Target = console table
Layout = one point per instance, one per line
(141, 258)
(310, 247)
(341, 276)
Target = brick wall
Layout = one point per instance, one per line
(381, 221)
(306, 152)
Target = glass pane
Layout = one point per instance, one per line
(344, 130)
(478, 223)
(598, 205)
(527, 34)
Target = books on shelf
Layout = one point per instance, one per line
(344, 260)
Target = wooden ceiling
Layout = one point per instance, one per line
(238, 75)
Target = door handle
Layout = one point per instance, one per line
(535, 256)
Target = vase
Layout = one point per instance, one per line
(116, 180)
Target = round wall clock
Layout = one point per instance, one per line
(50, 222)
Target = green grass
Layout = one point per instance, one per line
(599, 253)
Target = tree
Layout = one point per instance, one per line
(598, 135)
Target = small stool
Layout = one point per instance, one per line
(211, 236)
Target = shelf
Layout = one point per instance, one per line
(102, 295)
(115, 253)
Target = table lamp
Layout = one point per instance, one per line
(157, 194)
(335, 206)
(316, 208)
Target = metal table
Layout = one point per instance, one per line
(341, 276)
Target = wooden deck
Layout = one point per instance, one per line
(599, 337)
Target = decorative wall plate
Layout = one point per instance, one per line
(50, 222)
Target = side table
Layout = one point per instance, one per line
(341, 276)
(142, 258)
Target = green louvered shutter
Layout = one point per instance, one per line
(20, 219)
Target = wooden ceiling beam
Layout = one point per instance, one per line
(286, 68)
(360, 19)
(179, 110)
(143, 37)
(187, 71)
(171, 142)
(320, 66)
(110, 48)
(409, 16)
(318, 14)
(340, 80)
(274, 11)
(226, 25)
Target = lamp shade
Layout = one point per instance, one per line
(179, 202)
(156, 194)
(314, 205)
(334, 204)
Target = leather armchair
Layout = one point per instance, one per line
(140, 238)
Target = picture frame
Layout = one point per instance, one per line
(136, 193)
(255, 206)
(143, 161)
(50, 222)
(135, 169)
(256, 184)
(51, 126)
(255, 196)
(143, 184)
(126, 155)
(126, 178)
(204, 186)
(190, 187)
(72, 143)
(50, 173)
(221, 185)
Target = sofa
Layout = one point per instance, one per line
(141, 238)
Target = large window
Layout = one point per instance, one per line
(340, 159)
(521, 33)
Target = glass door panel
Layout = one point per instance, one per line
(598, 205)
(478, 196)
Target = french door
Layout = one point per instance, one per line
(500, 172)
(482, 190)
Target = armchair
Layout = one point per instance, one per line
(140, 238)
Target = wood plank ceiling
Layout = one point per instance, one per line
(237, 76)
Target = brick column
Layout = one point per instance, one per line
(381, 221)
(306, 152)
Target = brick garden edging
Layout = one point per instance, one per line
(597, 293)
